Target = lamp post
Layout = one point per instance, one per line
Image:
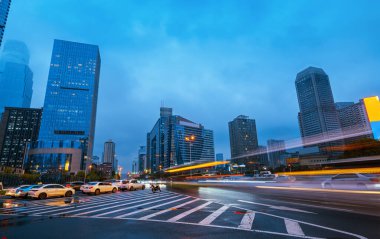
(190, 139)
(85, 173)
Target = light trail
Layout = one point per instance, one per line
(333, 171)
(203, 165)
(320, 190)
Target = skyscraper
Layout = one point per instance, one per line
(4, 10)
(372, 106)
(142, 159)
(318, 118)
(276, 148)
(109, 154)
(167, 145)
(18, 128)
(243, 136)
(16, 78)
(68, 122)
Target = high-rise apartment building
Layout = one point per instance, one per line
(18, 128)
(16, 78)
(68, 124)
(318, 118)
(109, 154)
(4, 10)
(243, 136)
(175, 140)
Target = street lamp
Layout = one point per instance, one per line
(190, 139)
(85, 173)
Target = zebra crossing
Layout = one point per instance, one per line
(171, 207)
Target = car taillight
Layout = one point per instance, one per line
(375, 180)
(90, 187)
(20, 190)
(68, 185)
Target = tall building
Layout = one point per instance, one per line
(18, 128)
(109, 154)
(142, 159)
(68, 124)
(276, 148)
(134, 167)
(4, 10)
(167, 143)
(318, 118)
(96, 160)
(243, 136)
(16, 78)
(219, 157)
(372, 106)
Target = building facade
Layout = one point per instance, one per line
(243, 136)
(318, 117)
(16, 78)
(68, 122)
(167, 145)
(372, 106)
(109, 154)
(18, 128)
(276, 148)
(142, 159)
(4, 10)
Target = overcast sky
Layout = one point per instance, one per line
(208, 60)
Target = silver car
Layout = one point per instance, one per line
(353, 181)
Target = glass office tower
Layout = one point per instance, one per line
(16, 78)
(70, 106)
(4, 10)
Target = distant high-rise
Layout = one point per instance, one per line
(142, 159)
(109, 154)
(372, 106)
(167, 145)
(4, 10)
(318, 118)
(69, 115)
(16, 78)
(276, 148)
(243, 136)
(18, 128)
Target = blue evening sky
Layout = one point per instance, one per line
(209, 60)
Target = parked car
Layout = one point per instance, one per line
(23, 192)
(123, 185)
(352, 181)
(12, 191)
(50, 190)
(134, 185)
(115, 182)
(75, 185)
(98, 188)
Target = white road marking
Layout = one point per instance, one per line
(293, 228)
(210, 218)
(168, 210)
(278, 207)
(246, 222)
(126, 208)
(148, 208)
(184, 214)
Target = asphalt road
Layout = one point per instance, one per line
(197, 211)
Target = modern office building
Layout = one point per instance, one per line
(68, 121)
(276, 148)
(142, 159)
(4, 10)
(109, 154)
(16, 78)
(372, 106)
(318, 118)
(134, 167)
(96, 160)
(243, 136)
(18, 128)
(175, 140)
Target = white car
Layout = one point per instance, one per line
(12, 192)
(98, 188)
(359, 181)
(120, 184)
(50, 190)
(134, 185)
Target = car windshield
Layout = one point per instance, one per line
(92, 183)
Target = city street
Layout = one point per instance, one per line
(201, 211)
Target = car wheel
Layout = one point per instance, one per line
(42, 196)
(97, 192)
(362, 186)
(114, 190)
(131, 188)
(327, 186)
(143, 187)
(68, 194)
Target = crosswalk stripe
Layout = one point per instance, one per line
(167, 210)
(105, 208)
(107, 204)
(149, 208)
(184, 214)
(247, 220)
(127, 208)
(293, 228)
(210, 218)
